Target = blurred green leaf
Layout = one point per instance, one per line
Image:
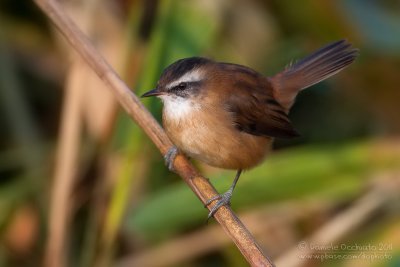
(307, 172)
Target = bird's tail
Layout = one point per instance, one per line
(312, 69)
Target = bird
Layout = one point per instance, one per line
(227, 115)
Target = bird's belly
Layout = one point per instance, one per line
(223, 147)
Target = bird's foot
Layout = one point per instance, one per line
(223, 200)
(170, 157)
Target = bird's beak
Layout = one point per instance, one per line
(154, 92)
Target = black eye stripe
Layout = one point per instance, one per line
(185, 85)
(185, 89)
(181, 86)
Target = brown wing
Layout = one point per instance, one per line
(314, 68)
(255, 111)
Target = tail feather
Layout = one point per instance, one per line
(312, 69)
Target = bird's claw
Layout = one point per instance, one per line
(170, 157)
(223, 200)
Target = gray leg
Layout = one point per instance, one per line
(225, 198)
(170, 157)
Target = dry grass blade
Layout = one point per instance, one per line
(67, 154)
(202, 188)
(385, 190)
(65, 169)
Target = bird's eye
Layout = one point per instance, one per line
(181, 86)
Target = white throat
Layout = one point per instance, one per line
(177, 108)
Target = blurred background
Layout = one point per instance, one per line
(81, 185)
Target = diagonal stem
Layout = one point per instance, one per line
(200, 185)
